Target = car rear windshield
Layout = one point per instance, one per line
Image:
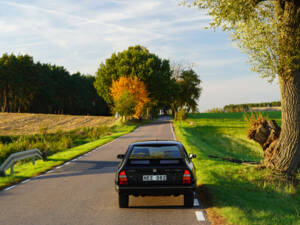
(155, 152)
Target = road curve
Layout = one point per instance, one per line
(82, 192)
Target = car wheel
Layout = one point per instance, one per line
(123, 200)
(189, 199)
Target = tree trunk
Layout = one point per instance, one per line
(288, 157)
(266, 133)
(3, 108)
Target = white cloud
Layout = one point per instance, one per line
(81, 35)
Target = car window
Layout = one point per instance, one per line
(155, 152)
(186, 155)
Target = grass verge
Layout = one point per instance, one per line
(24, 170)
(241, 194)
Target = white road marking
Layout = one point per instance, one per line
(25, 181)
(58, 167)
(196, 202)
(200, 216)
(49, 171)
(173, 134)
(6, 189)
(67, 163)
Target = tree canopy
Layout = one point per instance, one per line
(135, 88)
(26, 86)
(136, 61)
(125, 104)
(187, 89)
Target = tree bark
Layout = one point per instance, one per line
(3, 108)
(288, 157)
(266, 133)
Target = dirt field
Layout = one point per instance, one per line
(26, 123)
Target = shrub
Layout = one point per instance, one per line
(181, 115)
(96, 132)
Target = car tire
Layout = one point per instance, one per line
(189, 199)
(123, 200)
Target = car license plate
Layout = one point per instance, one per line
(154, 177)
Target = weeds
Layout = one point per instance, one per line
(50, 143)
(255, 118)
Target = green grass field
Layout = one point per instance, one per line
(240, 193)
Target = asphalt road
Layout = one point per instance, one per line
(82, 192)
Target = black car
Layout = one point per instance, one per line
(156, 168)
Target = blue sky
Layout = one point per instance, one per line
(79, 35)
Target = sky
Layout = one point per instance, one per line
(79, 35)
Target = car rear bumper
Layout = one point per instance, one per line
(155, 190)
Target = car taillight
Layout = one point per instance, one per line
(123, 178)
(186, 178)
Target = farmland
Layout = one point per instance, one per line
(60, 137)
(240, 193)
(27, 123)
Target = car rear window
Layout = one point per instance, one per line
(155, 152)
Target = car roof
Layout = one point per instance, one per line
(157, 142)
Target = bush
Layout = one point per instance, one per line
(49, 143)
(96, 132)
(181, 115)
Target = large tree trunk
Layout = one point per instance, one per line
(288, 157)
(288, 15)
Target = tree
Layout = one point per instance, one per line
(269, 31)
(136, 61)
(190, 90)
(26, 86)
(186, 90)
(135, 88)
(125, 104)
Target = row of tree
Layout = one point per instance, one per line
(26, 86)
(136, 67)
(142, 77)
(248, 106)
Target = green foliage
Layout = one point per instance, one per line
(26, 86)
(53, 142)
(255, 118)
(186, 90)
(95, 133)
(125, 105)
(242, 194)
(267, 30)
(136, 61)
(180, 115)
(189, 89)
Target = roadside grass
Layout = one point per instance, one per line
(240, 193)
(82, 144)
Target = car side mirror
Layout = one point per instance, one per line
(120, 156)
(192, 156)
